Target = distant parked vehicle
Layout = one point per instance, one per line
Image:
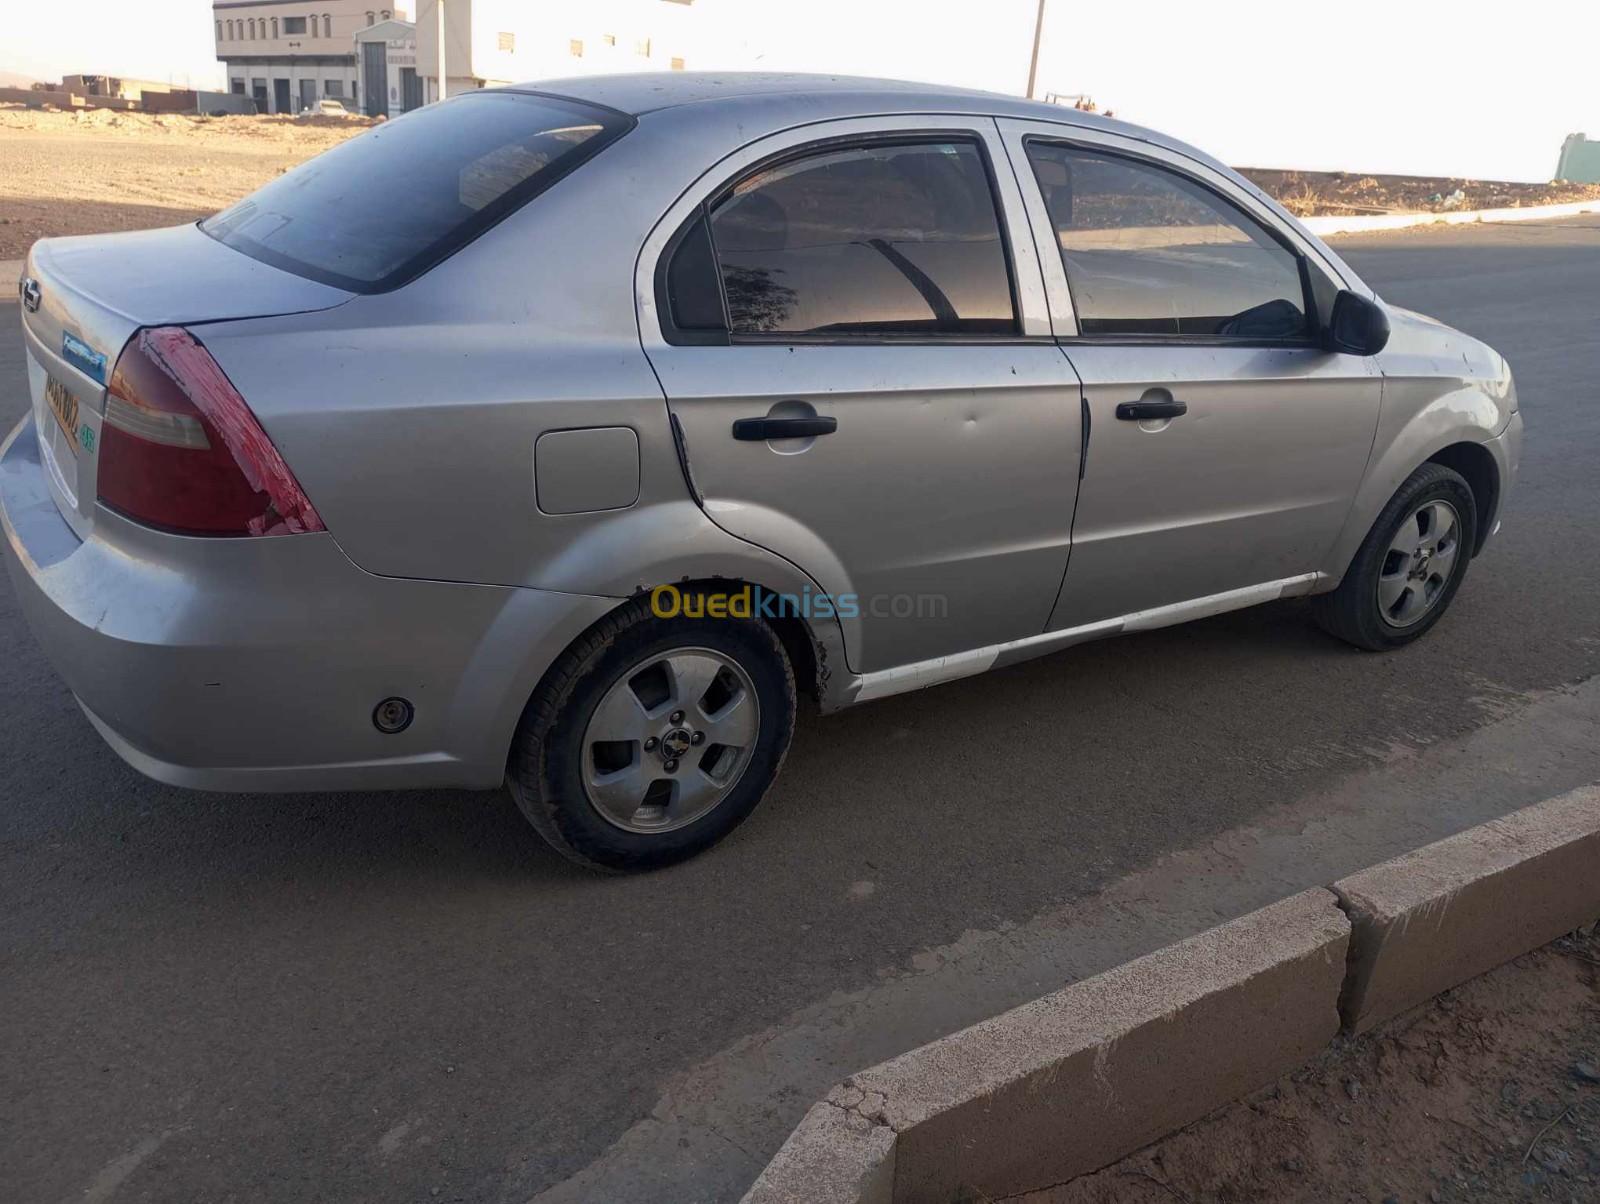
(558, 439)
(325, 108)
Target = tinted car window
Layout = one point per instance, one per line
(377, 209)
(692, 290)
(1148, 251)
(887, 239)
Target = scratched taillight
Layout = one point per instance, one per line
(180, 449)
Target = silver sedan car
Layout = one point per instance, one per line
(560, 435)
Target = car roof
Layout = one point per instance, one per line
(728, 98)
(638, 93)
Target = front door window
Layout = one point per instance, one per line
(1149, 252)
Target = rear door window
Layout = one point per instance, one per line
(377, 210)
(1150, 252)
(898, 238)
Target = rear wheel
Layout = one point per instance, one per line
(1410, 565)
(652, 739)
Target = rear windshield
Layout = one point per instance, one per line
(377, 210)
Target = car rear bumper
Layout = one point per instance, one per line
(256, 664)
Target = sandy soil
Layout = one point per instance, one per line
(96, 170)
(1337, 192)
(1490, 1093)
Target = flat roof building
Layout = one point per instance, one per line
(288, 55)
(112, 85)
(1580, 160)
(386, 69)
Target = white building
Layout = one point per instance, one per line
(287, 54)
(387, 83)
(490, 42)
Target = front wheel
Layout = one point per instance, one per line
(652, 739)
(1410, 565)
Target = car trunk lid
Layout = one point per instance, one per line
(82, 300)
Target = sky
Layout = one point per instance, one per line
(1426, 87)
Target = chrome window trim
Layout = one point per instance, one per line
(1033, 313)
(1151, 338)
(1016, 132)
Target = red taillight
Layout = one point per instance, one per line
(181, 450)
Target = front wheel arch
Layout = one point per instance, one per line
(1353, 612)
(1430, 437)
(1482, 475)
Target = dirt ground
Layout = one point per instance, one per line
(1490, 1093)
(96, 170)
(1305, 193)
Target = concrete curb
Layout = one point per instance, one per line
(1365, 223)
(1073, 1081)
(1065, 1084)
(11, 272)
(836, 1155)
(1432, 919)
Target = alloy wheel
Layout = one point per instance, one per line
(1418, 563)
(670, 740)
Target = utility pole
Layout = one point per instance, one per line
(444, 79)
(1033, 63)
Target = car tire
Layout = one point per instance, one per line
(574, 787)
(1393, 574)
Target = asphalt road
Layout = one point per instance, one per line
(398, 997)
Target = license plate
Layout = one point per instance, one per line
(65, 407)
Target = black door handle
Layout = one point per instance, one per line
(755, 430)
(1138, 411)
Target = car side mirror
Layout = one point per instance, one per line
(1357, 326)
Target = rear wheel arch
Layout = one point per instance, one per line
(815, 649)
(553, 756)
(811, 655)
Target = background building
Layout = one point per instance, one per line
(386, 69)
(489, 42)
(288, 54)
(111, 85)
(1580, 160)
